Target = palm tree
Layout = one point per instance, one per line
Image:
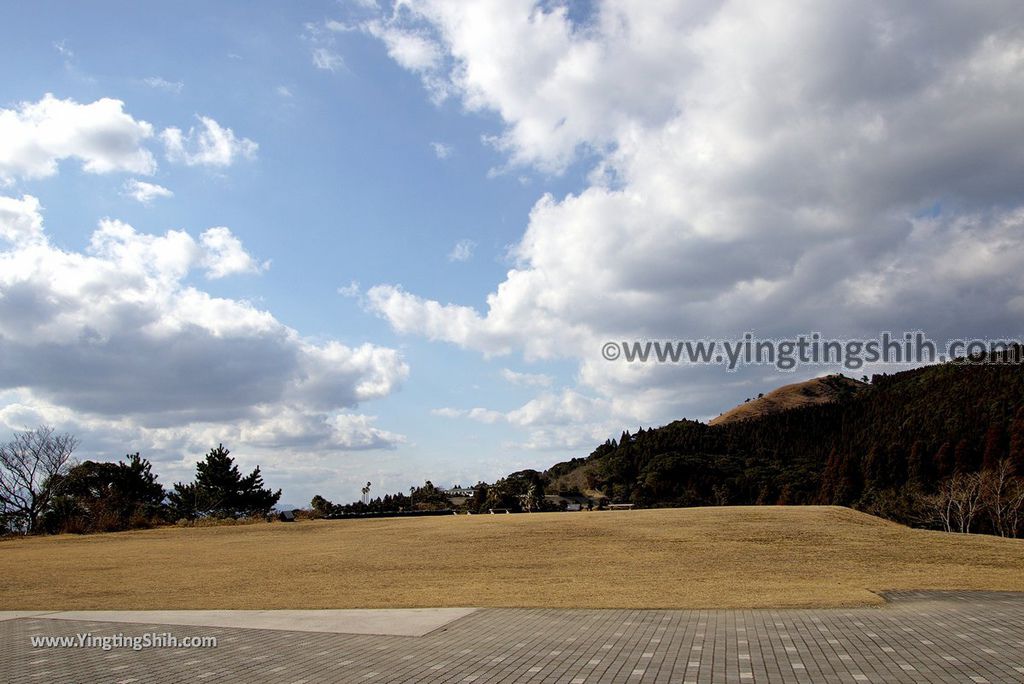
(531, 497)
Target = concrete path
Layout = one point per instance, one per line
(385, 622)
(918, 637)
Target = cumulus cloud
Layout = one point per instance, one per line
(20, 220)
(526, 379)
(462, 251)
(116, 343)
(846, 169)
(144, 192)
(36, 136)
(555, 420)
(224, 254)
(412, 50)
(209, 145)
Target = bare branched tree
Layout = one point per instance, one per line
(958, 501)
(967, 499)
(1015, 507)
(1003, 497)
(940, 505)
(29, 468)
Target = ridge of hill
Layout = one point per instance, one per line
(821, 390)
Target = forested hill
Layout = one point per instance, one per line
(878, 449)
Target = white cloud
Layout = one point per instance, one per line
(116, 342)
(412, 50)
(751, 169)
(350, 290)
(462, 251)
(36, 136)
(225, 255)
(478, 414)
(416, 49)
(462, 325)
(441, 151)
(327, 59)
(283, 91)
(555, 421)
(210, 145)
(527, 379)
(158, 83)
(144, 192)
(20, 220)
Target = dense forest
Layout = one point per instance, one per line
(902, 449)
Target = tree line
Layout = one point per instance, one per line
(520, 491)
(42, 490)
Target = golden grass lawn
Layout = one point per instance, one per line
(672, 558)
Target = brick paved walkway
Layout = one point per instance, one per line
(919, 637)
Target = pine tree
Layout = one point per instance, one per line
(917, 466)
(849, 486)
(944, 464)
(1016, 450)
(994, 447)
(829, 479)
(896, 463)
(963, 459)
(872, 467)
(220, 490)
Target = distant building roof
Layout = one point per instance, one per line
(459, 491)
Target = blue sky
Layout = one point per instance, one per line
(611, 171)
(346, 187)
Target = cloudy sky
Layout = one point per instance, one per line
(360, 241)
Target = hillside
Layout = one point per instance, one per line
(684, 558)
(878, 448)
(822, 390)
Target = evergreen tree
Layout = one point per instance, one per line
(829, 479)
(321, 506)
(963, 459)
(1016, 446)
(872, 467)
(917, 464)
(221, 491)
(848, 485)
(995, 450)
(105, 496)
(944, 465)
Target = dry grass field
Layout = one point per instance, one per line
(679, 558)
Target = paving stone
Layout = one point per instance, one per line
(917, 637)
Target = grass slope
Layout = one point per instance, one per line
(816, 391)
(667, 558)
